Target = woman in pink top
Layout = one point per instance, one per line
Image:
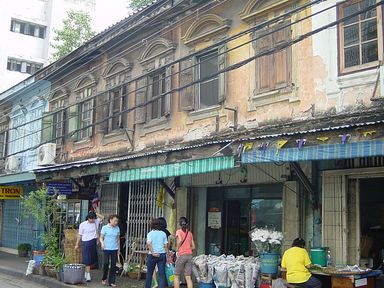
(185, 246)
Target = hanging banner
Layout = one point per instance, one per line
(11, 192)
(63, 188)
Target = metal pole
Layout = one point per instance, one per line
(128, 220)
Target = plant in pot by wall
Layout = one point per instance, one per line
(132, 270)
(44, 210)
(53, 264)
(24, 249)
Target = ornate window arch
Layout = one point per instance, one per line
(155, 56)
(212, 92)
(81, 115)
(54, 122)
(271, 75)
(258, 8)
(116, 75)
(206, 27)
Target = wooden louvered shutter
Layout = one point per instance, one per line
(222, 63)
(168, 88)
(141, 99)
(47, 129)
(186, 76)
(264, 65)
(282, 59)
(73, 122)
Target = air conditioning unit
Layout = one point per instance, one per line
(46, 154)
(12, 164)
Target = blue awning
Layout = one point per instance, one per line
(174, 169)
(318, 152)
(15, 178)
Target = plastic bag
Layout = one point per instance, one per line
(279, 283)
(170, 274)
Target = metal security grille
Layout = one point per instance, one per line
(109, 199)
(18, 227)
(142, 207)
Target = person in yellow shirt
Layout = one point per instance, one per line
(296, 262)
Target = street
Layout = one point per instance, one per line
(15, 282)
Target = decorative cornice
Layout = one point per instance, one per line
(123, 62)
(148, 54)
(63, 91)
(221, 26)
(92, 81)
(255, 8)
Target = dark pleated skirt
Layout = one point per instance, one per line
(89, 252)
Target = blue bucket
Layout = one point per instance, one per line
(206, 285)
(269, 263)
(38, 258)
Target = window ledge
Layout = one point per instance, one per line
(204, 113)
(271, 97)
(358, 78)
(114, 136)
(155, 125)
(83, 143)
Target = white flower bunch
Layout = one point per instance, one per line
(266, 240)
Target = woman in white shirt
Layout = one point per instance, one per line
(88, 235)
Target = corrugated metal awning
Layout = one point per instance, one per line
(174, 169)
(318, 152)
(19, 177)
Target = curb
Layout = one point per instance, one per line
(42, 280)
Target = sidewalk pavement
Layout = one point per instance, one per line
(15, 266)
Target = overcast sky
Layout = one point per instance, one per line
(108, 12)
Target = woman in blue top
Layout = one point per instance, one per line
(110, 243)
(157, 244)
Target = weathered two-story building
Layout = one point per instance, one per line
(238, 114)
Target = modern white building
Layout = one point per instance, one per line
(27, 32)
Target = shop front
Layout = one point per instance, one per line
(233, 211)
(225, 206)
(353, 215)
(349, 220)
(16, 227)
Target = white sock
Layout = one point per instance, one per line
(87, 276)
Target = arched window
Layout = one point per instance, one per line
(211, 92)
(54, 123)
(81, 115)
(155, 86)
(117, 75)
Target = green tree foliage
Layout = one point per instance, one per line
(136, 4)
(75, 32)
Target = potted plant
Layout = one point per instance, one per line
(24, 249)
(132, 270)
(53, 265)
(44, 210)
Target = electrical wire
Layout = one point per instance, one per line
(178, 72)
(128, 50)
(259, 26)
(230, 68)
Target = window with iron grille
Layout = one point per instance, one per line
(58, 120)
(158, 87)
(360, 36)
(86, 118)
(209, 89)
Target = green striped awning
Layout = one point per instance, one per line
(174, 169)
